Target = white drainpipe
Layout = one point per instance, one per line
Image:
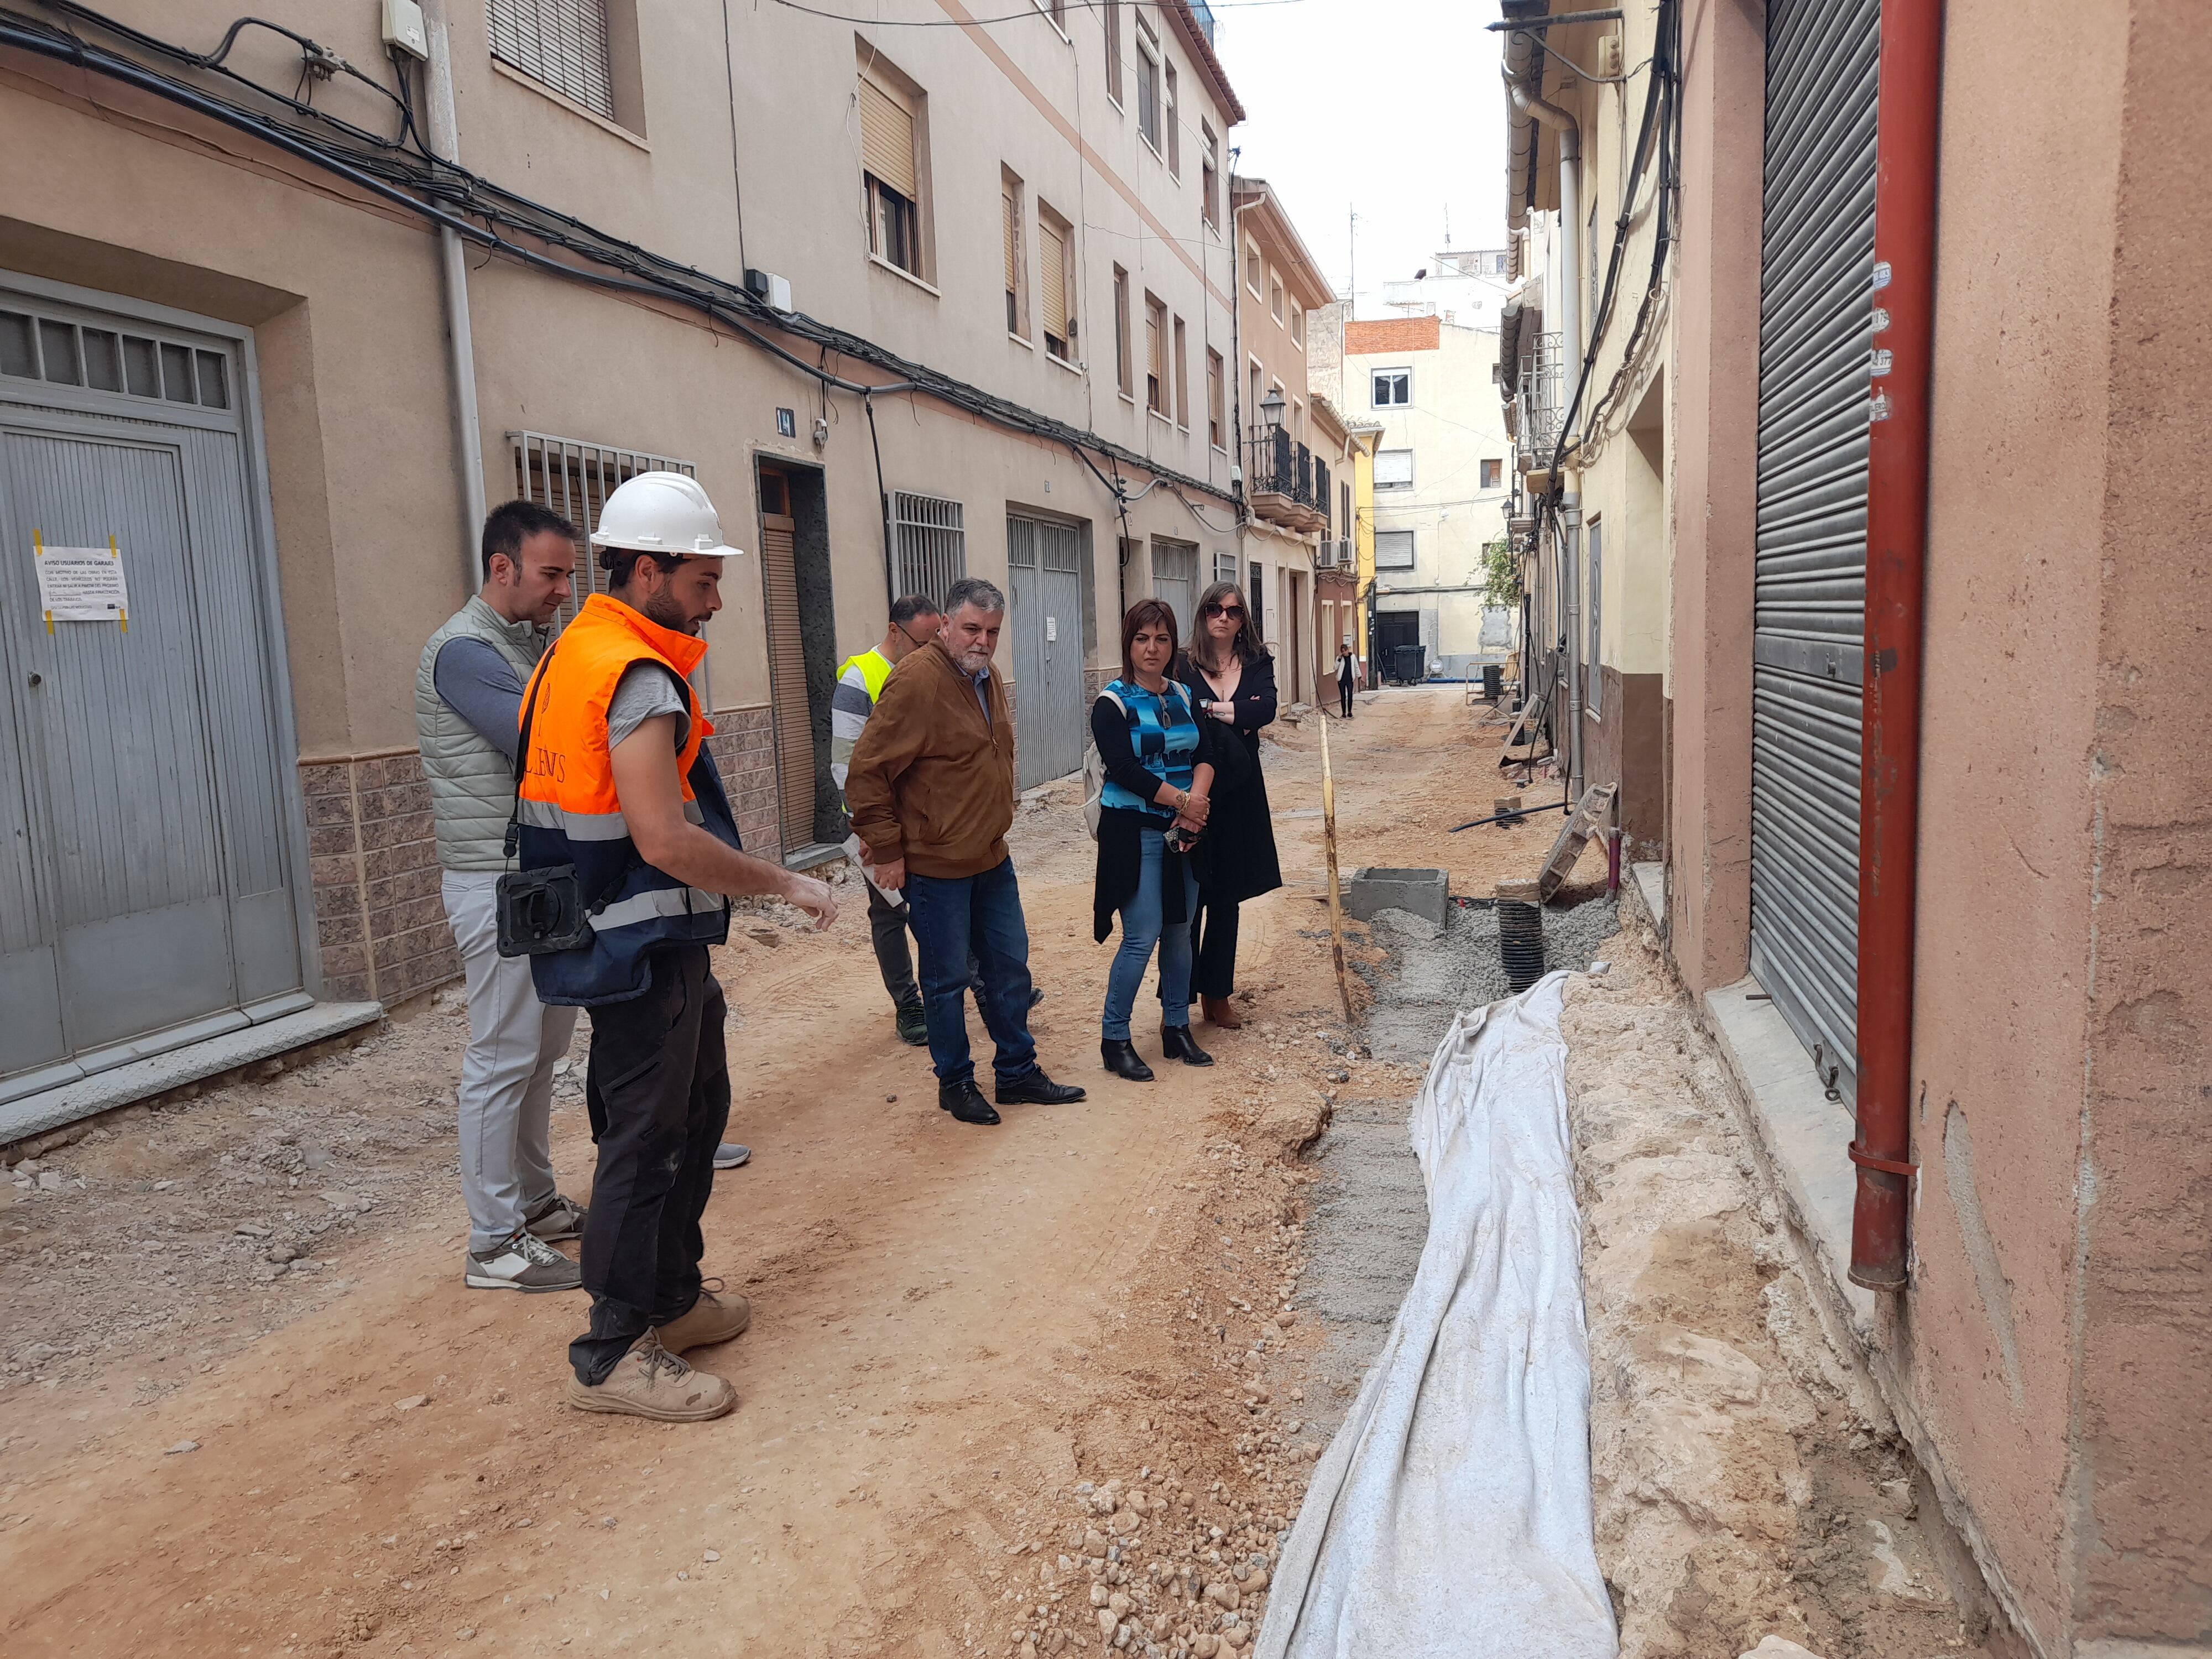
(1570, 347)
(446, 142)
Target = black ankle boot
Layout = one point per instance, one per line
(1123, 1061)
(1176, 1043)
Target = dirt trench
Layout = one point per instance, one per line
(1043, 1390)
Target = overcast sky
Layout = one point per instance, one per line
(1392, 108)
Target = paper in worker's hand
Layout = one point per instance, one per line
(855, 846)
(81, 584)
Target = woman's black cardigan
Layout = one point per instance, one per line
(1120, 854)
(1235, 857)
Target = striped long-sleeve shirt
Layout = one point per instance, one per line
(859, 681)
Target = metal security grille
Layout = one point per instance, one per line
(574, 478)
(1815, 335)
(929, 538)
(1175, 579)
(563, 43)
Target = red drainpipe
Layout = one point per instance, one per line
(1897, 539)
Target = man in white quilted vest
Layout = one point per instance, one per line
(468, 701)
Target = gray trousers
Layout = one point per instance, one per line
(507, 1075)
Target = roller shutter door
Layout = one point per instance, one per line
(1815, 334)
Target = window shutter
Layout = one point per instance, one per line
(887, 139)
(561, 42)
(1053, 256)
(1153, 360)
(1012, 232)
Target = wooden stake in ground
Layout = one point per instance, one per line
(1335, 894)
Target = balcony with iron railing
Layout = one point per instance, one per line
(1278, 480)
(1537, 402)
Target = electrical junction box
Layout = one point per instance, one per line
(773, 290)
(402, 27)
(1609, 53)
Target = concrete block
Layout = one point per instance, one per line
(1417, 892)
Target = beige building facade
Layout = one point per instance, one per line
(910, 303)
(2046, 1356)
(1442, 481)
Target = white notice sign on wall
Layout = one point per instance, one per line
(1051, 629)
(81, 584)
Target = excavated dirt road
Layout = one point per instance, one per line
(1033, 1389)
(953, 1328)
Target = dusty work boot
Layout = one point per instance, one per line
(913, 1026)
(522, 1262)
(709, 1319)
(1220, 1011)
(558, 1218)
(650, 1381)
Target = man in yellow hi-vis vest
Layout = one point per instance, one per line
(860, 679)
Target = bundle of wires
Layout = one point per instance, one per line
(401, 170)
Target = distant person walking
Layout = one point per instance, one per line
(622, 811)
(860, 678)
(1347, 678)
(931, 784)
(468, 693)
(1232, 677)
(1154, 749)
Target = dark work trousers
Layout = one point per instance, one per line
(887, 928)
(1344, 697)
(658, 1092)
(1214, 972)
(887, 925)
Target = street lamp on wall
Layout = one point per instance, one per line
(1270, 409)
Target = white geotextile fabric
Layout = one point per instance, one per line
(1451, 1514)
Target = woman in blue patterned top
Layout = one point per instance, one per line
(1158, 777)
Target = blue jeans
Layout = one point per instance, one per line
(980, 916)
(1141, 930)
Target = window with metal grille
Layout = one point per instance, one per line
(575, 479)
(1175, 579)
(929, 540)
(562, 44)
(104, 360)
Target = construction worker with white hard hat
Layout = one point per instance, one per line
(630, 853)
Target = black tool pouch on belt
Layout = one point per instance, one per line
(539, 911)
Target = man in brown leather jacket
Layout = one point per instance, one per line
(931, 791)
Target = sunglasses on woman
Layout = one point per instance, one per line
(1224, 611)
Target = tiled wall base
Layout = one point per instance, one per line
(374, 861)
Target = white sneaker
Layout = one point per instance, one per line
(521, 1263)
(730, 1156)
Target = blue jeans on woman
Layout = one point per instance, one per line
(1141, 930)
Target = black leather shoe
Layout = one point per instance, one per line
(1123, 1061)
(1177, 1043)
(1037, 1090)
(965, 1101)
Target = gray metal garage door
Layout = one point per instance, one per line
(1815, 334)
(1044, 571)
(146, 878)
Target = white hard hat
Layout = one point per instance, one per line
(662, 513)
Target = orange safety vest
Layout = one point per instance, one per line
(568, 813)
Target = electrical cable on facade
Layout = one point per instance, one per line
(385, 175)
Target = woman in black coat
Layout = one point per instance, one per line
(1232, 678)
